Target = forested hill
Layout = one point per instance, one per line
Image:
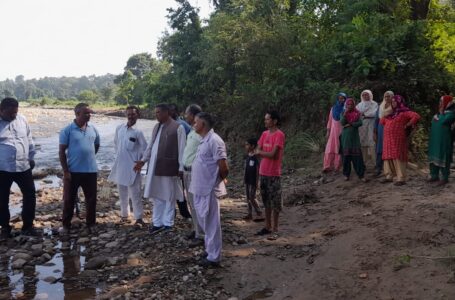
(62, 88)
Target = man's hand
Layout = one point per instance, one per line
(138, 166)
(66, 175)
(32, 164)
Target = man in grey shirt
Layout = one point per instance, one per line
(17, 152)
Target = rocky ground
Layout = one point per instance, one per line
(338, 240)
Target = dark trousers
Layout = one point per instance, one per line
(357, 162)
(88, 183)
(251, 198)
(379, 163)
(25, 182)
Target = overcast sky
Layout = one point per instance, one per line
(79, 37)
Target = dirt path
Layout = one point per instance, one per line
(350, 240)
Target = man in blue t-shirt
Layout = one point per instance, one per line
(79, 142)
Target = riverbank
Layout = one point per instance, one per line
(338, 240)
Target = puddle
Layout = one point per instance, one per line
(29, 282)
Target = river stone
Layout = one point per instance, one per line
(106, 236)
(24, 256)
(83, 240)
(95, 263)
(50, 279)
(37, 247)
(112, 244)
(18, 263)
(46, 257)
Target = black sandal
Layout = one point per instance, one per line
(263, 231)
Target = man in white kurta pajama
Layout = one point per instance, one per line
(164, 154)
(129, 144)
(209, 170)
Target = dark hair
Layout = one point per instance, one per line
(174, 107)
(207, 118)
(135, 108)
(80, 106)
(9, 102)
(252, 141)
(194, 109)
(163, 106)
(274, 115)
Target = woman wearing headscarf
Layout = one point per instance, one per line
(440, 149)
(395, 145)
(384, 110)
(350, 141)
(367, 108)
(332, 158)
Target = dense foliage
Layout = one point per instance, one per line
(294, 56)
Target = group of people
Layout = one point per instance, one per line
(186, 160)
(380, 134)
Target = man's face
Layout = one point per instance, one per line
(189, 117)
(198, 125)
(268, 121)
(132, 116)
(9, 114)
(161, 115)
(84, 114)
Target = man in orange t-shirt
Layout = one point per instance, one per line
(270, 148)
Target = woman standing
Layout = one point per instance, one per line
(368, 108)
(350, 141)
(332, 158)
(440, 149)
(384, 110)
(395, 146)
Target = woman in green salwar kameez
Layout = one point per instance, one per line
(350, 146)
(440, 150)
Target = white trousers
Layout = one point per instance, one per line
(163, 212)
(208, 214)
(199, 233)
(132, 192)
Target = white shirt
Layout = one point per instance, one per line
(16, 145)
(129, 145)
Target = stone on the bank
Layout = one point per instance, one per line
(22, 255)
(83, 240)
(95, 263)
(112, 244)
(18, 263)
(46, 257)
(50, 279)
(37, 247)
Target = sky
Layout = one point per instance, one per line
(79, 37)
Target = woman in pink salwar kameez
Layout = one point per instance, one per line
(332, 157)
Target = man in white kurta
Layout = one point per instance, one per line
(209, 170)
(162, 189)
(129, 145)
